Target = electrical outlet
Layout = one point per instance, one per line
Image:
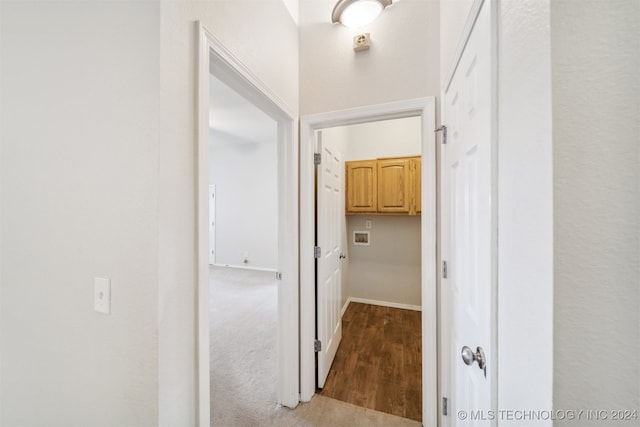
(361, 42)
(367, 223)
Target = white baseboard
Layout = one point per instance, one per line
(381, 303)
(244, 267)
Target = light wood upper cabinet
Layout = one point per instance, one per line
(361, 193)
(388, 186)
(393, 185)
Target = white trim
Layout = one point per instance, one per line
(230, 67)
(424, 108)
(383, 304)
(242, 267)
(462, 43)
(345, 306)
(215, 58)
(202, 300)
(495, 35)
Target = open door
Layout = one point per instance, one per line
(329, 272)
(469, 232)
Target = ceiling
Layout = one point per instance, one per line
(234, 118)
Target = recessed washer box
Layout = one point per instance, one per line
(361, 238)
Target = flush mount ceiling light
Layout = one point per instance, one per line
(357, 13)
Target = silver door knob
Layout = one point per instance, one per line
(342, 255)
(468, 356)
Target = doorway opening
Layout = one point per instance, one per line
(243, 181)
(280, 260)
(373, 170)
(423, 110)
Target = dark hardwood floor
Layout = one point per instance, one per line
(379, 361)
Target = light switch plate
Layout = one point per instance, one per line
(102, 295)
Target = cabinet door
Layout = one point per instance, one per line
(361, 186)
(394, 185)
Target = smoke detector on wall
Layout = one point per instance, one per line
(361, 42)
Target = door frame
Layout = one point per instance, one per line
(215, 58)
(212, 241)
(425, 108)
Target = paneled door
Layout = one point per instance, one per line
(329, 271)
(469, 232)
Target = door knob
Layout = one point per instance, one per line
(468, 356)
(342, 256)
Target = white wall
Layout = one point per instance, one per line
(264, 36)
(79, 135)
(293, 6)
(334, 77)
(388, 138)
(389, 269)
(246, 177)
(596, 126)
(453, 17)
(525, 215)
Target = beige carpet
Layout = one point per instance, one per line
(243, 361)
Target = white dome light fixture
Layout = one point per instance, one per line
(358, 13)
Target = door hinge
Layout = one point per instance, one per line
(317, 252)
(317, 346)
(317, 158)
(278, 275)
(445, 410)
(444, 269)
(442, 129)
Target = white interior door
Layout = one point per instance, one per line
(212, 224)
(329, 279)
(468, 234)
